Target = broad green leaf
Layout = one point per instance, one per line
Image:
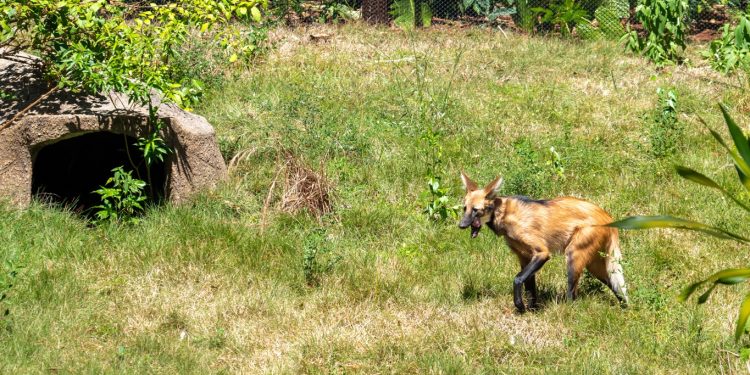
(742, 318)
(689, 290)
(740, 141)
(255, 13)
(738, 161)
(729, 274)
(649, 222)
(694, 176)
(744, 179)
(704, 297)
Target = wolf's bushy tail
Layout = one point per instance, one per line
(614, 269)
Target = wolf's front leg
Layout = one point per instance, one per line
(537, 261)
(530, 286)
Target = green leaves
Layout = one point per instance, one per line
(650, 222)
(742, 318)
(730, 276)
(692, 175)
(566, 14)
(664, 22)
(741, 156)
(438, 201)
(255, 12)
(100, 46)
(732, 51)
(122, 198)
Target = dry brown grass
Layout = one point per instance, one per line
(305, 188)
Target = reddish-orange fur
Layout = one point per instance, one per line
(534, 230)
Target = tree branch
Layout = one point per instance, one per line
(27, 108)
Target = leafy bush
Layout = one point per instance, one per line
(664, 22)
(565, 14)
(492, 9)
(732, 51)
(336, 11)
(608, 17)
(122, 198)
(665, 131)
(740, 154)
(100, 46)
(556, 163)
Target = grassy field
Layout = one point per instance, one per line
(219, 285)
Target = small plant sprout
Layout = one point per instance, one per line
(438, 206)
(122, 198)
(556, 163)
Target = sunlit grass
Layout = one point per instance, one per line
(206, 288)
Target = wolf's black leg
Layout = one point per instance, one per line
(537, 261)
(530, 285)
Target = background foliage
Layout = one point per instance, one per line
(101, 46)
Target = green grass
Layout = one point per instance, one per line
(204, 288)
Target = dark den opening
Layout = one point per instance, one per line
(68, 172)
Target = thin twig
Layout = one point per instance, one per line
(127, 151)
(730, 352)
(502, 31)
(28, 107)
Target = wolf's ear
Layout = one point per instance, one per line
(493, 187)
(469, 185)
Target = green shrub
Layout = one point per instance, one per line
(665, 131)
(731, 52)
(337, 11)
(101, 46)
(664, 22)
(564, 14)
(437, 206)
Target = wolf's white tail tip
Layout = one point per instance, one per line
(616, 276)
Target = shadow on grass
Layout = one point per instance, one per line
(588, 287)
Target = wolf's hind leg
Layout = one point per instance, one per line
(583, 245)
(598, 268)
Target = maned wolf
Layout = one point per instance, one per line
(534, 229)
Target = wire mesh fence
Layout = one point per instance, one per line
(583, 18)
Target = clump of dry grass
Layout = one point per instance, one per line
(305, 188)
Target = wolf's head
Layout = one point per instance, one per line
(478, 203)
